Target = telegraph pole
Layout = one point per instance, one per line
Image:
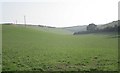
(16, 22)
(25, 20)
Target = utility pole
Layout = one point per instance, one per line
(25, 20)
(16, 22)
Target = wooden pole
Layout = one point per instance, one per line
(16, 22)
(25, 20)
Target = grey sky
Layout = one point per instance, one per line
(61, 13)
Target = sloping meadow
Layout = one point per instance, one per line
(26, 49)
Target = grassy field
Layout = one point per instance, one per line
(26, 49)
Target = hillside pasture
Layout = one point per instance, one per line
(27, 49)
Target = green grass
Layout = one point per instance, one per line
(31, 49)
(52, 30)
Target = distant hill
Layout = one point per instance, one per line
(50, 29)
(76, 28)
(84, 27)
(43, 28)
(111, 24)
(69, 30)
(108, 27)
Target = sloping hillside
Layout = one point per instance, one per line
(46, 29)
(76, 28)
(110, 24)
(30, 49)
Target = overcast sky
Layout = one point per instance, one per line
(60, 13)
